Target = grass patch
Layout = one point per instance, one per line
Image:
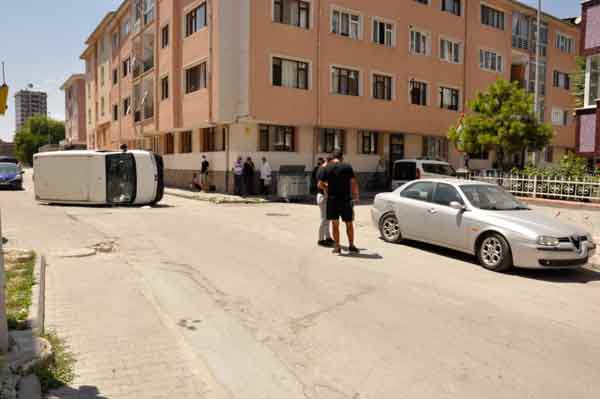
(59, 371)
(19, 285)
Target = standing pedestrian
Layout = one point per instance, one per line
(238, 169)
(325, 239)
(204, 168)
(265, 176)
(339, 182)
(248, 172)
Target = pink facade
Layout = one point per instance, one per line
(75, 110)
(209, 71)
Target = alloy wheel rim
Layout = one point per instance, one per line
(391, 229)
(491, 252)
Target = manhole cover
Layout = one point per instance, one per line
(278, 214)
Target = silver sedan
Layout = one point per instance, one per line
(480, 219)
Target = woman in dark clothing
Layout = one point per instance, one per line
(249, 171)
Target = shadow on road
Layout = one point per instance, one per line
(580, 276)
(84, 392)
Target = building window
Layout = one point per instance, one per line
(491, 61)
(492, 17)
(543, 38)
(115, 112)
(593, 69)
(450, 51)
(331, 140)
(449, 98)
(549, 154)
(102, 76)
(126, 27)
(560, 117)
(115, 41)
(542, 78)
(346, 24)
(102, 106)
(435, 148)
(155, 144)
(126, 67)
(420, 42)
(169, 143)
(185, 143)
(211, 141)
(383, 33)
(289, 73)
(276, 138)
(195, 78)
(164, 88)
(126, 106)
(89, 117)
(292, 12)
(345, 81)
(481, 154)
(426, 2)
(520, 31)
(164, 41)
(115, 76)
(382, 87)
(564, 43)
(369, 142)
(562, 80)
(418, 92)
(451, 6)
(195, 20)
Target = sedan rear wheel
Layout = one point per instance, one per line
(390, 228)
(494, 253)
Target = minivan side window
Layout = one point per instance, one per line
(405, 171)
(445, 194)
(422, 191)
(439, 169)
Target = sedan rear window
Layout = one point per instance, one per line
(439, 169)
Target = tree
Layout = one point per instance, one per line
(577, 79)
(502, 119)
(37, 132)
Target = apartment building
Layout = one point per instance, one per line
(588, 117)
(75, 112)
(29, 103)
(295, 79)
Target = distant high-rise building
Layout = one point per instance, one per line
(29, 103)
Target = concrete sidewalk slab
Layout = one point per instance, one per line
(214, 198)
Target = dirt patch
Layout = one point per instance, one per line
(106, 246)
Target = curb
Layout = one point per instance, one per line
(215, 200)
(35, 321)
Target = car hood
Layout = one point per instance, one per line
(8, 176)
(532, 222)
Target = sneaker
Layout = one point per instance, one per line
(322, 243)
(330, 241)
(353, 250)
(337, 251)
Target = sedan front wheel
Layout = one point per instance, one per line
(390, 228)
(494, 253)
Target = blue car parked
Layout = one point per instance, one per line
(11, 176)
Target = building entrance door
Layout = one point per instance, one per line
(396, 149)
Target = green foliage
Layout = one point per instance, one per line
(571, 166)
(503, 119)
(19, 284)
(34, 134)
(59, 371)
(577, 79)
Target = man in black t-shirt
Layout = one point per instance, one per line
(339, 181)
(204, 167)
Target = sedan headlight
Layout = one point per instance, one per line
(546, 241)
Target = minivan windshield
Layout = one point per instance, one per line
(491, 198)
(121, 178)
(439, 169)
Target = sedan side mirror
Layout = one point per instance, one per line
(458, 206)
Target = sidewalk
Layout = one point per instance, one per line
(123, 348)
(215, 198)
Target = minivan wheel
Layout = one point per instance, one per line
(494, 253)
(390, 228)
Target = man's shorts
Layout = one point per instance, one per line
(337, 208)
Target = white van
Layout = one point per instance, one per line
(407, 170)
(98, 177)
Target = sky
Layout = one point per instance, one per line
(41, 41)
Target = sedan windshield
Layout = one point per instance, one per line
(8, 168)
(492, 198)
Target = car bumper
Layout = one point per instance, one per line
(376, 215)
(11, 184)
(532, 256)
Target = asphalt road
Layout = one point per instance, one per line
(280, 318)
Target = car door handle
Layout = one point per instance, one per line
(432, 211)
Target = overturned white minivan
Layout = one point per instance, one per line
(98, 177)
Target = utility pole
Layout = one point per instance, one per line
(536, 104)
